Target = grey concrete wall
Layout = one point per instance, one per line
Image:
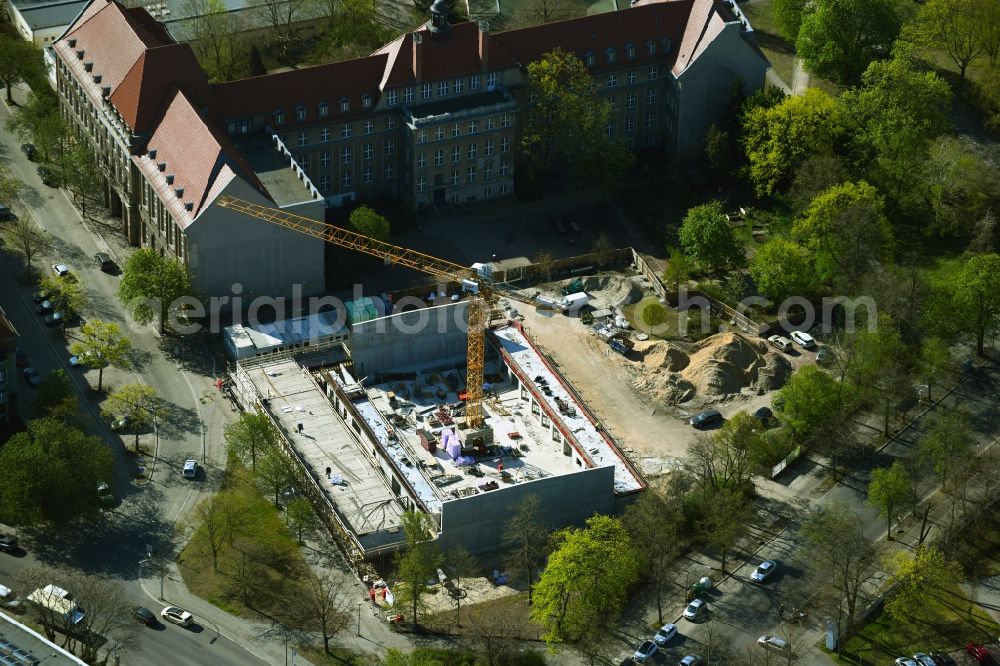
(478, 522)
(267, 260)
(425, 339)
(705, 86)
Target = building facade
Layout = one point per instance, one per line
(8, 368)
(433, 117)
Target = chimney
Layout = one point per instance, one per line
(418, 48)
(484, 45)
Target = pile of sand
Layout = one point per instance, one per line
(611, 290)
(717, 368)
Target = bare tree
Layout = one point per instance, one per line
(545, 262)
(602, 249)
(218, 37)
(326, 598)
(461, 564)
(281, 16)
(537, 12)
(26, 237)
(492, 634)
(527, 532)
(218, 520)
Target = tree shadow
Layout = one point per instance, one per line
(192, 353)
(138, 359)
(177, 421)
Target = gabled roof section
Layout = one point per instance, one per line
(140, 97)
(458, 56)
(654, 21)
(197, 161)
(306, 88)
(703, 26)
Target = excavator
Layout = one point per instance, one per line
(482, 301)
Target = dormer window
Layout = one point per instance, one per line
(345, 105)
(170, 179)
(612, 55)
(650, 48)
(161, 166)
(88, 66)
(279, 117)
(72, 43)
(189, 206)
(300, 113)
(630, 51)
(79, 55)
(179, 192)
(324, 109)
(366, 101)
(667, 45)
(106, 91)
(97, 78)
(152, 153)
(590, 58)
(392, 97)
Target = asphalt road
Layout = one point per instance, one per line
(180, 370)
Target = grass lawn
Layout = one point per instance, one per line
(256, 565)
(944, 625)
(339, 657)
(512, 608)
(670, 328)
(979, 550)
(780, 51)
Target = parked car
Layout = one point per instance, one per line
(32, 377)
(22, 359)
(923, 659)
(43, 307)
(823, 355)
(665, 633)
(54, 319)
(773, 643)
(144, 615)
(7, 543)
(694, 609)
(905, 661)
(5, 213)
(190, 469)
(763, 571)
(40, 295)
(645, 651)
(978, 652)
(105, 494)
(121, 424)
(9, 600)
(62, 270)
(705, 418)
(780, 342)
(763, 416)
(105, 263)
(176, 615)
(690, 660)
(942, 659)
(48, 176)
(803, 339)
(29, 150)
(78, 360)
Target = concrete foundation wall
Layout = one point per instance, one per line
(429, 338)
(478, 522)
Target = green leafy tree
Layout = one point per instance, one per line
(918, 580)
(53, 392)
(65, 293)
(779, 138)
(586, 582)
(718, 150)
(839, 38)
(788, 16)
(567, 123)
(274, 472)
(353, 30)
(815, 175)
(301, 518)
(53, 471)
(369, 223)
(26, 237)
(846, 231)
(152, 286)
(653, 314)
(20, 62)
(727, 514)
(976, 294)
(952, 26)
(880, 373)
(679, 268)
(250, 437)
(955, 182)
(814, 407)
(81, 172)
(947, 443)
(420, 560)
(782, 268)
(655, 523)
(101, 345)
(138, 403)
(988, 28)
(707, 236)
(527, 535)
(888, 490)
(935, 358)
(10, 187)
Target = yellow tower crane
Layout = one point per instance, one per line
(402, 256)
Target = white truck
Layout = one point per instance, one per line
(572, 303)
(59, 603)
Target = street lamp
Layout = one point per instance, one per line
(202, 443)
(359, 618)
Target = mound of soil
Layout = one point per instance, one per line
(723, 364)
(661, 354)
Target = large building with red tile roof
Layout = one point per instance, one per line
(432, 118)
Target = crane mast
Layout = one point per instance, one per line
(401, 256)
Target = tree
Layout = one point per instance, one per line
(369, 223)
(26, 237)
(585, 584)
(54, 390)
(778, 138)
(946, 444)
(814, 407)
(880, 374)
(718, 150)
(527, 534)
(421, 558)
(102, 344)
(707, 236)
(984, 234)
(20, 62)
(281, 18)
(602, 249)
(567, 124)
(354, 30)
(723, 460)
(218, 38)
(257, 67)
(917, 579)
(10, 187)
(955, 181)
(846, 231)
(538, 12)
(301, 518)
(727, 514)
(839, 38)
(210, 519)
(138, 404)
(679, 268)
(250, 437)
(781, 268)
(460, 564)
(65, 293)
(152, 286)
(326, 599)
(545, 262)
(816, 174)
(653, 314)
(40, 122)
(655, 522)
(842, 555)
(951, 26)
(275, 472)
(788, 16)
(81, 172)
(976, 294)
(935, 358)
(53, 471)
(987, 14)
(889, 489)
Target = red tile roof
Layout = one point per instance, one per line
(305, 87)
(695, 35)
(458, 56)
(141, 95)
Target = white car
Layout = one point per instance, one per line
(924, 659)
(61, 270)
(693, 609)
(763, 571)
(803, 339)
(690, 660)
(665, 633)
(190, 469)
(645, 651)
(905, 661)
(773, 642)
(780, 342)
(176, 615)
